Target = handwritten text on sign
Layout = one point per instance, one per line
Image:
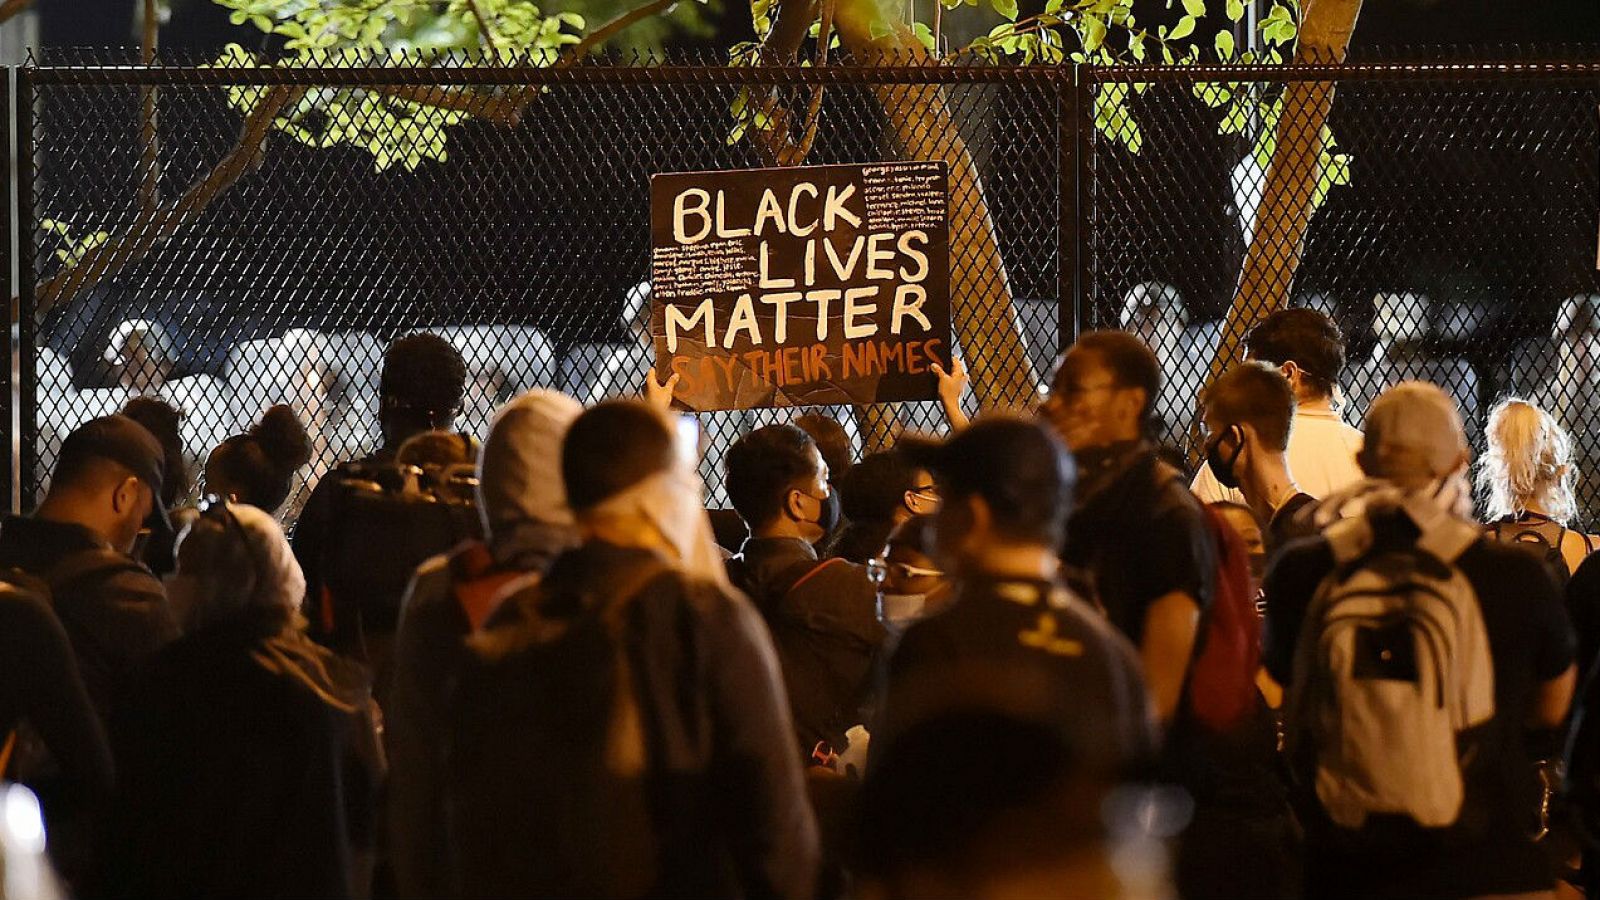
(813, 285)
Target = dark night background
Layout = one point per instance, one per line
(547, 226)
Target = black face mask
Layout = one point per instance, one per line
(829, 512)
(1222, 465)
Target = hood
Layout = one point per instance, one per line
(520, 493)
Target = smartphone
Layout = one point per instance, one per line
(687, 438)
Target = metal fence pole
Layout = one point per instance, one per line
(26, 389)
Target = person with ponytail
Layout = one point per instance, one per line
(1527, 476)
(247, 756)
(257, 467)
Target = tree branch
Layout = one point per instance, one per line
(576, 52)
(485, 33)
(136, 243)
(10, 9)
(161, 222)
(149, 130)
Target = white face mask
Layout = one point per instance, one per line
(900, 610)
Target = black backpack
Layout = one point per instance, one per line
(386, 521)
(549, 761)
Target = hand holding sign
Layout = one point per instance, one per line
(952, 385)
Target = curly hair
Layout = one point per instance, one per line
(423, 380)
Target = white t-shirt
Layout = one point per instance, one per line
(1322, 458)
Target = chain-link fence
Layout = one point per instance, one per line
(1453, 240)
(296, 224)
(229, 238)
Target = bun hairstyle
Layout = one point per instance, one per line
(1529, 462)
(256, 467)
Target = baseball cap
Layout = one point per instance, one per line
(1413, 428)
(1006, 460)
(125, 442)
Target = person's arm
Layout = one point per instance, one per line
(1170, 626)
(38, 665)
(952, 384)
(414, 730)
(771, 830)
(1553, 700)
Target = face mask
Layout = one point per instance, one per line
(829, 511)
(1222, 465)
(899, 610)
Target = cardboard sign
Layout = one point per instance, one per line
(802, 286)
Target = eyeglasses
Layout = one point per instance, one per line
(880, 569)
(926, 490)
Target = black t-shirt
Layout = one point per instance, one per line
(1583, 605)
(1291, 522)
(1139, 537)
(1531, 642)
(1031, 649)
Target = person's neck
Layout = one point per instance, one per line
(1536, 508)
(1269, 485)
(1314, 403)
(781, 527)
(624, 531)
(1025, 561)
(64, 513)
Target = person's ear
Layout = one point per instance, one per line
(791, 504)
(1291, 371)
(125, 495)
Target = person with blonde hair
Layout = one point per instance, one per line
(1528, 476)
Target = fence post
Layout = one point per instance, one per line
(1075, 103)
(26, 389)
(8, 382)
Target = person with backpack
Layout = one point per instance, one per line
(77, 545)
(822, 612)
(1012, 638)
(526, 524)
(1175, 580)
(420, 389)
(1416, 650)
(248, 757)
(620, 728)
(1528, 477)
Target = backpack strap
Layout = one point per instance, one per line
(812, 573)
(478, 586)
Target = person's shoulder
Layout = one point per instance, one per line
(834, 574)
(1506, 566)
(1310, 556)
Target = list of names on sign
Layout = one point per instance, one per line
(800, 286)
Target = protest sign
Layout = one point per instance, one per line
(801, 286)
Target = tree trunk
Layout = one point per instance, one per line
(1284, 215)
(922, 127)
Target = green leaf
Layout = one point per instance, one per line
(1195, 8)
(1006, 8)
(1183, 29)
(923, 33)
(1224, 42)
(1093, 33)
(1235, 10)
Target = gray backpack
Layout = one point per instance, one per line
(1393, 663)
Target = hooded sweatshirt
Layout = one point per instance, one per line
(527, 524)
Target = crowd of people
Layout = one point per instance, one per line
(1034, 658)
